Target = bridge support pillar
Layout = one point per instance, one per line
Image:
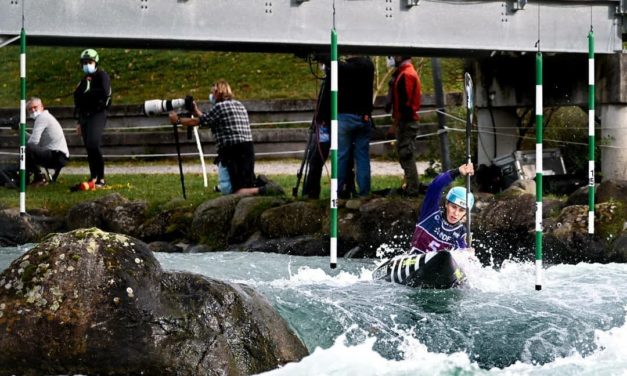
(613, 141)
(497, 133)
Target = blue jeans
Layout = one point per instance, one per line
(354, 132)
(224, 179)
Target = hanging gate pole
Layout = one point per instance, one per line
(334, 144)
(591, 140)
(539, 151)
(23, 122)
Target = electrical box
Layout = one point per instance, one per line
(552, 163)
(521, 164)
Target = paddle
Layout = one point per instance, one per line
(469, 109)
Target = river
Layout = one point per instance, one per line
(500, 325)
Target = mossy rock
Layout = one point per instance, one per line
(92, 302)
(245, 219)
(212, 221)
(293, 219)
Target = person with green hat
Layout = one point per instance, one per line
(92, 98)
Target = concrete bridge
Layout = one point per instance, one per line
(497, 37)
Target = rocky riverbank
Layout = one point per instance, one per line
(503, 224)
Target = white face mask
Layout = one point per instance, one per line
(389, 62)
(89, 68)
(33, 115)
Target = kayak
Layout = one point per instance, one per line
(437, 270)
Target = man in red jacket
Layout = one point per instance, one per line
(405, 96)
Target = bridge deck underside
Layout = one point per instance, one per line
(375, 26)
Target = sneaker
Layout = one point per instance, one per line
(271, 189)
(99, 184)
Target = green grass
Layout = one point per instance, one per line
(156, 189)
(140, 74)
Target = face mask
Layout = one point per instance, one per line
(212, 99)
(33, 115)
(389, 62)
(89, 68)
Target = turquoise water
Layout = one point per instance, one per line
(499, 325)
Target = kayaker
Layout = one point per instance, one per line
(441, 228)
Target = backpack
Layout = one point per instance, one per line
(9, 177)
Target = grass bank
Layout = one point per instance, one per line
(140, 74)
(155, 189)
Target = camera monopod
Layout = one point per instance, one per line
(178, 154)
(161, 106)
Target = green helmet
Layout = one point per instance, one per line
(90, 54)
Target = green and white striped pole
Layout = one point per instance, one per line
(539, 169)
(334, 143)
(591, 132)
(23, 122)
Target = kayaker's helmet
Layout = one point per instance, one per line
(89, 54)
(457, 195)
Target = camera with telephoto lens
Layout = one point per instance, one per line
(162, 106)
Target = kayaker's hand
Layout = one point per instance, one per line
(467, 169)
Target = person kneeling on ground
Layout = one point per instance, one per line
(229, 124)
(441, 228)
(46, 145)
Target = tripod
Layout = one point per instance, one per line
(315, 153)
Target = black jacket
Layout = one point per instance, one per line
(92, 94)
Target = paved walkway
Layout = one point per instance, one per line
(275, 167)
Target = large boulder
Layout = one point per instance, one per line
(16, 229)
(110, 213)
(568, 239)
(245, 219)
(502, 229)
(293, 219)
(614, 190)
(90, 302)
(619, 248)
(172, 222)
(304, 245)
(212, 221)
(389, 221)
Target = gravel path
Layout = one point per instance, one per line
(261, 167)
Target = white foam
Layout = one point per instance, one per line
(610, 358)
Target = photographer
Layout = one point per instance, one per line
(46, 146)
(228, 120)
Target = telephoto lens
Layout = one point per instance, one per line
(160, 106)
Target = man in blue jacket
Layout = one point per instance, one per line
(441, 228)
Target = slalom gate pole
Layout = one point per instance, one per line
(202, 156)
(23, 121)
(539, 169)
(334, 144)
(469, 109)
(178, 153)
(591, 140)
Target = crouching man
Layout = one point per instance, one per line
(46, 145)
